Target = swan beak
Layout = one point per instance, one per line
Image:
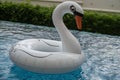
(78, 22)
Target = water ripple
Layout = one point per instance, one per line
(102, 52)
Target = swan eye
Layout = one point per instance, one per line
(72, 8)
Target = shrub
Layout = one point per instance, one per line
(25, 12)
(108, 23)
(101, 22)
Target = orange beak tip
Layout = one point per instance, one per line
(79, 22)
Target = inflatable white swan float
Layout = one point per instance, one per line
(49, 56)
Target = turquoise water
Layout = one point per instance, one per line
(102, 52)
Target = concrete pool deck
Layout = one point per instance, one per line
(102, 5)
(47, 3)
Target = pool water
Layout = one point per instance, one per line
(102, 53)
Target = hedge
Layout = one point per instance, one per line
(100, 22)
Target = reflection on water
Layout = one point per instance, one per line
(102, 52)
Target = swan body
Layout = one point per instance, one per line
(50, 56)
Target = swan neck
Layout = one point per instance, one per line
(69, 42)
(59, 24)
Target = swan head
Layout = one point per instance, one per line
(72, 8)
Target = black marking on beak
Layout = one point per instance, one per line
(78, 14)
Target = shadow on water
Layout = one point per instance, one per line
(22, 74)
